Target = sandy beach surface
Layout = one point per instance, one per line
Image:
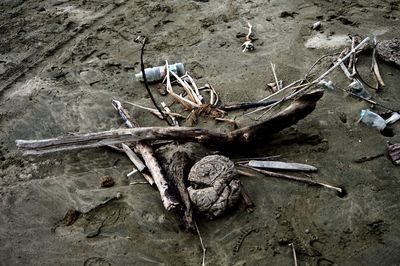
(63, 61)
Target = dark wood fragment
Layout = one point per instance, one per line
(178, 172)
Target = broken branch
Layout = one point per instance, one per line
(299, 109)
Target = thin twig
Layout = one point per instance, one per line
(294, 253)
(375, 68)
(316, 62)
(167, 110)
(351, 60)
(316, 81)
(248, 45)
(276, 93)
(202, 245)
(276, 78)
(147, 85)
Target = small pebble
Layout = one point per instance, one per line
(106, 181)
(316, 25)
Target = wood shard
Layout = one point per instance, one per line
(394, 153)
(278, 165)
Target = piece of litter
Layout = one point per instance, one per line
(131, 173)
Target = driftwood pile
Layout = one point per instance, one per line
(211, 186)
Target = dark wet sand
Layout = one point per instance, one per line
(61, 64)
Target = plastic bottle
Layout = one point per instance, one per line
(358, 89)
(158, 73)
(372, 119)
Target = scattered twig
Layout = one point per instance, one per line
(147, 153)
(278, 92)
(202, 245)
(375, 68)
(133, 157)
(316, 81)
(137, 182)
(187, 104)
(316, 63)
(372, 102)
(343, 67)
(229, 121)
(248, 44)
(294, 253)
(133, 172)
(277, 83)
(245, 105)
(196, 89)
(369, 158)
(167, 110)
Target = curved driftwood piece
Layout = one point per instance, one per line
(296, 111)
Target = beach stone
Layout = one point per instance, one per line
(389, 51)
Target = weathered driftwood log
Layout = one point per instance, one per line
(299, 109)
(178, 171)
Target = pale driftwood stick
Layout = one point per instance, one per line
(193, 92)
(296, 111)
(290, 86)
(339, 190)
(134, 158)
(141, 147)
(167, 197)
(358, 47)
(167, 110)
(188, 105)
(312, 84)
(343, 67)
(276, 78)
(213, 94)
(278, 165)
(187, 89)
(196, 89)
(137, 162)
(294, 253)
(202, 245)
(351, 60)
(375, 67)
